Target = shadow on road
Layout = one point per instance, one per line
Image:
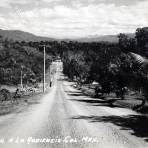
(93, 101)
(138, 124)
(75, 94)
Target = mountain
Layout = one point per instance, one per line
(105, 38)
(18, 35)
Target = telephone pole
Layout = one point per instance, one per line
(44, 78)
(21, 79)
(22, 76)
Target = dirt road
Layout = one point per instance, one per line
(65, 118)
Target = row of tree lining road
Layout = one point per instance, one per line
(115, 67)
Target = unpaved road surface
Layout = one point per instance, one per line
(65, 118)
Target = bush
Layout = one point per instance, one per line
(5, 95)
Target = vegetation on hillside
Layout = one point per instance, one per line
(16, 57)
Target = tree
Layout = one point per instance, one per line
(142, 40)
(126, 44)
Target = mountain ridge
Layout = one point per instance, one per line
(18, 35)
(103, 38)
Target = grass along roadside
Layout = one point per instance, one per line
(7, 107)
(131, 101)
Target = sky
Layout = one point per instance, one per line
(73, 18)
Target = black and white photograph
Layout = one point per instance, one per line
(73, 73)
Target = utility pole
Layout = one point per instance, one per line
(22, 76)
(21, 79)
(44, 79)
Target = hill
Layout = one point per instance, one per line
(105, 38)
(17, 35)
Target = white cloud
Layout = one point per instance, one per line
(82, 20)
(48, 1)
(4, 3)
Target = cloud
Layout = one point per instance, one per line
(4, 3)
(76, 19)
(116, 2)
